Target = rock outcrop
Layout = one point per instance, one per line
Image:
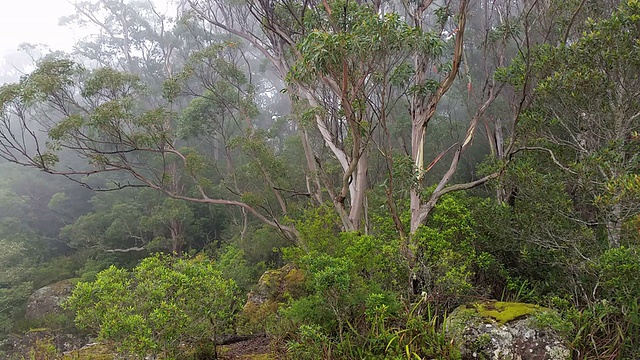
(44, 343)
(52, 326)
(48, 300)
(273, 288)
(506, 331)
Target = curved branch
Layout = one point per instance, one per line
(553, 157)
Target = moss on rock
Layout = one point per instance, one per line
(504, 312)
(93, 352)
(505, 331)
(274, 288)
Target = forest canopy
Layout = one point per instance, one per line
(394, 152)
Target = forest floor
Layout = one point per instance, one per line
(258, 348)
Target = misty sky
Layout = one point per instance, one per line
(34, 21)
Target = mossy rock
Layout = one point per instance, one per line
(43, 340)
(506, 331)
(48, 300)
(274, 288)
(93, 352)
(503, 312)
(278, 284)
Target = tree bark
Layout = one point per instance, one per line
(359, 195)
(422, 110)
(614, 226)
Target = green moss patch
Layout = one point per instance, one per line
(279, 283)
(504, 312)
(258, 357)
(38, 330)
(95, 352)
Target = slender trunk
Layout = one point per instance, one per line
(245, 226)
(418, 130)
(176, 231)
(126, 43)
(272, 185)
(345, 163)
(614, 226)
(359, 195)
(502, 195)
(416, 201)
(313, 177)
(347, 225)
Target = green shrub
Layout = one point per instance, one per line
(446, 252)
(618, 273)
(312, 344)
(618, 317)
(357, 307)
(319, 229)
(160, 304)
(233, 264)
(353, 310)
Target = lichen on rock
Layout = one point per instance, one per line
(48, 322)
(504, 331)
(48, 300)
(274, 287)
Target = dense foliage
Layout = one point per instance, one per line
(159, 306)
(170, 160)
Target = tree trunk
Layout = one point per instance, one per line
(614, 226)
(313, 177)
(176, 231)
(358, 194)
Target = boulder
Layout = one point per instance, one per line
(47, 300)
(52, 329)
(44, 343)
(274, 287)
(506, 331)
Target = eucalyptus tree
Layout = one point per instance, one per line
(355, 63)
(223, 121)
(133, 36)
(137, 37)
(97, 114)
(182, 71)
(585, 116)
(328, 52)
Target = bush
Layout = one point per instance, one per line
(618, 270)
(160, 304)
(618, 317)
(232, 263)
(446, 252)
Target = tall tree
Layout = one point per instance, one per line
(586, 115)
(103, 122)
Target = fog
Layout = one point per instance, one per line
(35, 21)
(406, 156)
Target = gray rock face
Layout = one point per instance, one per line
(37, 340)
(54, 332)
(48, 300)
(505, 331)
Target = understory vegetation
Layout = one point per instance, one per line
(171, 159)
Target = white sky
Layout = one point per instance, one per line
(34, 21)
